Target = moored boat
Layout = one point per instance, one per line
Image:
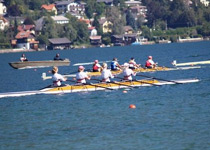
(97, 87)
(39, 64)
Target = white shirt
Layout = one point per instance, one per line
(106, 75)
(81, 76)
(151, 61)
(57, 78)
(22, 59)
(132, 63)
(127, 73)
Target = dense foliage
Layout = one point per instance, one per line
(167, 19)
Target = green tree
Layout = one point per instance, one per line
(28, 21)
(130, 20)
(113, 15)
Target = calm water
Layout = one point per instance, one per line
(172, 117)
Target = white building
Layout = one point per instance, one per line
(60, 19)
(205, 2)
(3, 8)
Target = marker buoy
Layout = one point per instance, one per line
(125, 91)
(132, 106)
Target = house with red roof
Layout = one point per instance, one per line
(25, 40)
(30, 28)
(49, 8)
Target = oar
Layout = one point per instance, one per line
(117, 83)
(141, 81)
(93, 85)
(158, 79)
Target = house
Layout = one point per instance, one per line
(95, 40)
(63, 6)
(3, 23)
(59, 43)
(130, 38)
(132, 3)
(117, 40)
(92, 31)
(128, 30)
(25, 39)
(60, 19)
(107, 2)
(205, 2)
(106, 25)
(3, 8)
(39, 24)
(78, 8)
(138, 11)
(30, 28)
(50, 8)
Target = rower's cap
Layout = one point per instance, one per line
(115, 59)
(81, 67)
(150, 57)
(126, 65)
(132, 58)
(96, 61)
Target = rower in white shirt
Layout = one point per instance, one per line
(81, 76)
(127, 72)
(106, 73)
(57, 78)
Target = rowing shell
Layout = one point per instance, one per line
(44, 77)
(191, 63)
(96, 87)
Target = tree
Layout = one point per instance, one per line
(28, 21)
(14, 10)
(130, 20)
(113, 15)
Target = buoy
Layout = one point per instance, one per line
(125, 91)
(132, 106)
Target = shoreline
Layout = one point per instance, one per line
(3, 51)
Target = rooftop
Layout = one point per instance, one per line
(59, 41)
(48, 7)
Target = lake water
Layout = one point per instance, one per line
(172, 117)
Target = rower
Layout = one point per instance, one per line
(81, 76)
(96, 66)
(127, 72)
(57, 57)
(57, 78)
(106, 73)
(132, 64)
(23, 58)
(150, 63)
(115, 65)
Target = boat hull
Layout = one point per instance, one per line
(110, 86)
(38, 64)
(96, 87)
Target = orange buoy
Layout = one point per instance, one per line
(132, 106)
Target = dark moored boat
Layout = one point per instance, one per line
(39, 64)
